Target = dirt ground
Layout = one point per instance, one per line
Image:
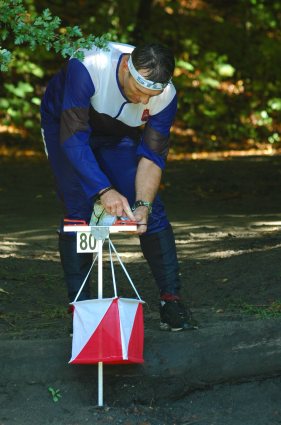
(226, 216)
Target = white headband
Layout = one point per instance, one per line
(142, 81)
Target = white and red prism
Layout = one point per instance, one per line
(108, 330)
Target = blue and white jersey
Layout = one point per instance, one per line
(87, 99)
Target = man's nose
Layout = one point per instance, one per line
(144, 99)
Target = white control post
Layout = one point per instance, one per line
(100, 234)
(100, 287)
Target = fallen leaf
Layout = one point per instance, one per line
(3, 291)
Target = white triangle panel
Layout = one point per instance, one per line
(127, 313)
(87, 316)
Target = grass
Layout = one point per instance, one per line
(269, 311)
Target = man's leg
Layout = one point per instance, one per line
(75, 267)
(70, 193)
(119, 162)
(159, 250)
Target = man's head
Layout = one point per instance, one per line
(149, 70)
(156, 62)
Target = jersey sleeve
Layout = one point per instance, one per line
(155, 140)
(75, 129)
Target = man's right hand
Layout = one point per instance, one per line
(116, 204)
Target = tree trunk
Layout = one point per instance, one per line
(142, 21)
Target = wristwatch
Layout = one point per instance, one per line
(141, 203)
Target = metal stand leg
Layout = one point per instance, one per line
(100, 384)
(100, 281)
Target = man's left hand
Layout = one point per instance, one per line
(141, 216)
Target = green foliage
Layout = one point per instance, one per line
(228, 74)
(264, 312)
(228, 60)
(24, 31)
(21, 92)
(5, 58)
(41, 30)
(56, 395)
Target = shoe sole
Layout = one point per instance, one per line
(186, 327)
(166, 327)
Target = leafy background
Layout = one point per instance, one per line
(227, 73)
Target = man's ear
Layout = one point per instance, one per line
(125, 63)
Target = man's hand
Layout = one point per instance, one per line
(141, 216)
(147, 184)
(116, 204)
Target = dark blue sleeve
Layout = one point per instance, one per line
(75, 129)
(162, 122)
(155, 141)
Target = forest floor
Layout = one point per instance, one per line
(226, 215)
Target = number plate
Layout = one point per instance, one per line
(86, 242)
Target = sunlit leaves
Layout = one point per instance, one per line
(262, 118)
(225, 70)
(233, 90)
(185, 65)
(36, 101)
(19, 90)
(275, 104)
(27, 67)
(5, 58)
(274, 138)
(40, 31)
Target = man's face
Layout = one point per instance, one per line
(135, 92)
